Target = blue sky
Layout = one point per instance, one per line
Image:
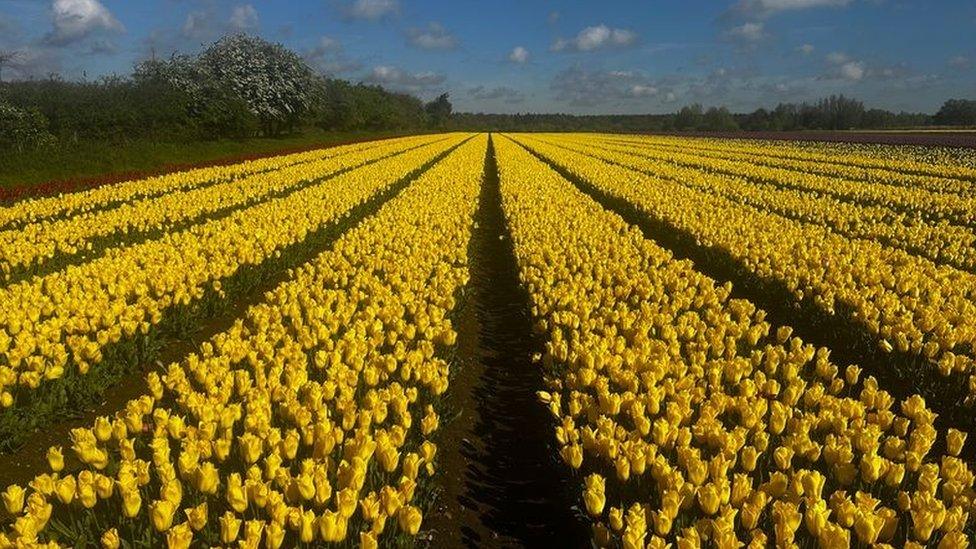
(610, 56)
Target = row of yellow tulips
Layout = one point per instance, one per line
(37, 243)
(939, 241)
(908, 302)
(692, 418)
(38, 209)
(888, 165)
(65, 318)
(911, 201)
(309, 421)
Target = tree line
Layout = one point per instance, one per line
(241, 86)
(831, 113)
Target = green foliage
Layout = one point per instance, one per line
(439, 111)
(689, 117)
(957, 112)
(339, 105)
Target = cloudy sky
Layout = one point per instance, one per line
(611, 56)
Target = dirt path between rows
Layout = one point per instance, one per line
(502, 485)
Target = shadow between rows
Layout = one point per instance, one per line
(503, 483)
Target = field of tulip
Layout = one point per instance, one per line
(737, 343)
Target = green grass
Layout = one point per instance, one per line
(90, 159)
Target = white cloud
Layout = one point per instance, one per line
(959, 62)
(325, 45)
(519, 55)
(499, 93)
(328, 57)
(853, 70)
(198, 24)
(33, 62)
(847, 68)
(806, 49)
(837, 58)
(751, 31)
(243, 18)
(578, 86)
(767, 8)
(432, 37)
(401, 80)
(642, 90)
(77, 19)
(596, 38)
(372, 9)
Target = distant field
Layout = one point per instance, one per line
(926, 137)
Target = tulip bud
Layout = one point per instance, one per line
(55, 458)
(230, 526)
(236, 496)
(955, 440)
(13, 499)
(594, 494)
(65, 489)
(179, 536)
(131, 501)
(197, 516)
(409, 518)
(274, 535)
(161, 512)
(110, 539)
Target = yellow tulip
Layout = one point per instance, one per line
(65, 489)
(274, 535)
(868, 526)
(367, 540)
(162, 512)
(208, 479)
(230, 526)
(102, 429)
(197, 516)
(13, 499)
(786, 519)
(131, 501)
(954, 540)
(236, 496)
(409, 518)
(955, 440)
(110, 539)
(55, 458)
(306, 528)
(253, 529)
(332, 527)
(593, 494)
(708, 499)
(86, 489)
(179, 536)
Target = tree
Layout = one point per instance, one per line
(271, 80)
(839, 113)
(689, 117)
(439, 111)
(957, 112)
(719, 119)
(22, 129)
